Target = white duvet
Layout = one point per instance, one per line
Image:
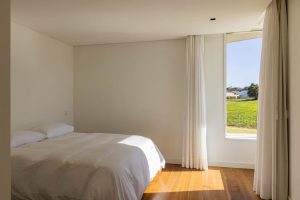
(83, 166)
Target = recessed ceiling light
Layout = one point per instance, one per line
(213, 19)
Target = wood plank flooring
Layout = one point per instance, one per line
(176, 183)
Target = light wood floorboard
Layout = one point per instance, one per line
(177, 183)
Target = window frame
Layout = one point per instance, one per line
(231, 136)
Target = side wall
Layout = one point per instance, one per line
(5, 100)
(294, 97)
(132, 88)
(41, 79)
(139, 88)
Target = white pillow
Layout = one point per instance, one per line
(55, 129)
(19, 138)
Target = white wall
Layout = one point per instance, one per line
(294, 97)
(5, 100)
(139, 88)
(132, 88)
(221, 151)
(41, 79)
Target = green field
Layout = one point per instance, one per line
(241, 116)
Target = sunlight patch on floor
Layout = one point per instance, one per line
(183, 181)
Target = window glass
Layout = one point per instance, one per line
(243, 54)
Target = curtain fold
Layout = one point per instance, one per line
(271, 170)
(194, 137)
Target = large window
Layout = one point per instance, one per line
(243, 53)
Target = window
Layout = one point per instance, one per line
(243, 53)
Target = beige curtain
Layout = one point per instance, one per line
(271, 170)
(194, 136)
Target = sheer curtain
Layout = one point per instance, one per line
(194, 137)
(271, 170)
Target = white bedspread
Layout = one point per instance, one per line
(83, 166)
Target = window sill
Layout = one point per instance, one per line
(233, 136)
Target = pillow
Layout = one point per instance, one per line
(19, 138)
(55, 129)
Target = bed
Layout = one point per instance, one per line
(81, 166)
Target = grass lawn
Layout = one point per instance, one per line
(242, 115)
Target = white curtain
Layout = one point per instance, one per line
(271, 170)
(194, 137)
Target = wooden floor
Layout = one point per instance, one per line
(175, 183)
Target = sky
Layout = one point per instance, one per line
(243, 62)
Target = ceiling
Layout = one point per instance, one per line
(83, 22)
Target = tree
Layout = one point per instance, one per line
(253, 91)
(233, 89)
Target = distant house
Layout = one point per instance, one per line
(232, 95)
(244, 94)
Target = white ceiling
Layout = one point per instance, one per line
(82, 22)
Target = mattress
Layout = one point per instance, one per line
(81, 166)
